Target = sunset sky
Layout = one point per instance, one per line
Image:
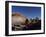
(29, 12)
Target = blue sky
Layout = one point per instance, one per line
(29, 12)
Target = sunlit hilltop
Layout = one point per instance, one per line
(18, 18)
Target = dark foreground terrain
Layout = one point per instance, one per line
(31, 26)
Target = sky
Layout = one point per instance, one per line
(29, 12)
